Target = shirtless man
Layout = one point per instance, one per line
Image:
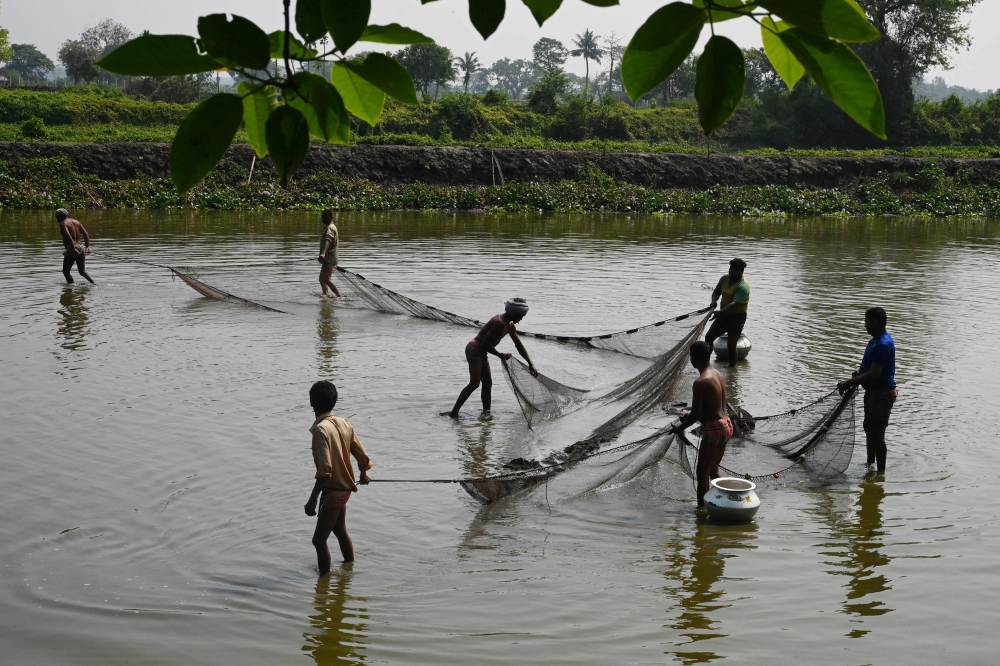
(708, 406)
(329, 253)
(75, 253)
(484, 343)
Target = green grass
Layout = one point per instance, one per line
(51, 182)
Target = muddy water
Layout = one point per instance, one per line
(155, 448)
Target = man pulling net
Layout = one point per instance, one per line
(485, 343)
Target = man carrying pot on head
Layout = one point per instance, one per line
(732, 316)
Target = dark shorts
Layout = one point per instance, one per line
(732, 324)
(474, 353)
(878, 406)
(71, 257)
(330, 260)
(334, 499)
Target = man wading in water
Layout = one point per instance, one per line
(708, 406)
(75, 253)
(877, 375)
(329, 253)
(732, 316)
(333, 443)
(484, 343)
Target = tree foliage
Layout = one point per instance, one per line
(588, 47)
(811, 35)
(29, 62)
(5, 50)
(469, 64)
(427, 64)
(514, 77)
(548, 54)
(79, 60)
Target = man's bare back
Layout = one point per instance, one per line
(77, 242)
(494, 331)
(709, 396)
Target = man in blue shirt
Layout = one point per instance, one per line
(877, 375)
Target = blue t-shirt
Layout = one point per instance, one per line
(880, 351)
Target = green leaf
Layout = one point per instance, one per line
(542, 9)
(602, 3)
(718, 15)
(788, 68)
(287, 141)
(842, 76)
(837, 19)
(257, 107)
(236, 43)
(346, 20)
(719, 86)
(394, 34)
(202, 139)
(360, 97)
(158, 55)
(309, 20)
(387, 75)
(486, 15)
(320, 103)
(660, 45)
(296, 49)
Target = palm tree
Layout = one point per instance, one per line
(469, 64)
(588, 47)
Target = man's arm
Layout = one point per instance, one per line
(874, 373)
(314, 496)
(66, 238)
(359, 453)
(521, 350)
(716, 293)
(697, 400)
(86, 237)
(324, 248)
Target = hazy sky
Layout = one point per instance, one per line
(47, 23)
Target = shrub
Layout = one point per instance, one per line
(33, 128)
(463, 117)
(496, 97)
(546, 92)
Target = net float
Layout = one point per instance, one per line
(732, 500)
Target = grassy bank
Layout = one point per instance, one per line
(50, 182)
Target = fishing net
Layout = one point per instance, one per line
(813, 443)
(648, 341)
(542, 397)
(190, 276)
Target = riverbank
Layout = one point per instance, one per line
(135, 175)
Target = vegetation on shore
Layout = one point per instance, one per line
(52, 182)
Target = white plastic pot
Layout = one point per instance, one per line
(732, 500)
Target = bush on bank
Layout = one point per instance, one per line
(48, 183)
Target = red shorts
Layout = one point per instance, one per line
(716, 432)
(334, 499)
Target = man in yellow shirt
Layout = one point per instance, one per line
(333, 443)
(329, 253)
(732, 316)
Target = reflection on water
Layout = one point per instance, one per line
(859, 540)
(338, 634)
(326, 338)
(73, 318)
(697, 563)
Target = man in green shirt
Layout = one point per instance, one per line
(732, 316)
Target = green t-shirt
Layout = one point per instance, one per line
(738, 293)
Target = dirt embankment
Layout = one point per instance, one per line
(454, 165)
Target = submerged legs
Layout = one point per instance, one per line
(707, 468)
(335, 521)
(479, 373)
(326, 280)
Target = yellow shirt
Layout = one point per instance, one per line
(333, 443)
(333, 236)
(739, 292)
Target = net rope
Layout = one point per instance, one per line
(648, 341)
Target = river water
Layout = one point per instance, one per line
(155, 447)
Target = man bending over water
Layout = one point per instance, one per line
(76, 250)
(732, 316)
(708, 406)
(333, 443)
(484, 343)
